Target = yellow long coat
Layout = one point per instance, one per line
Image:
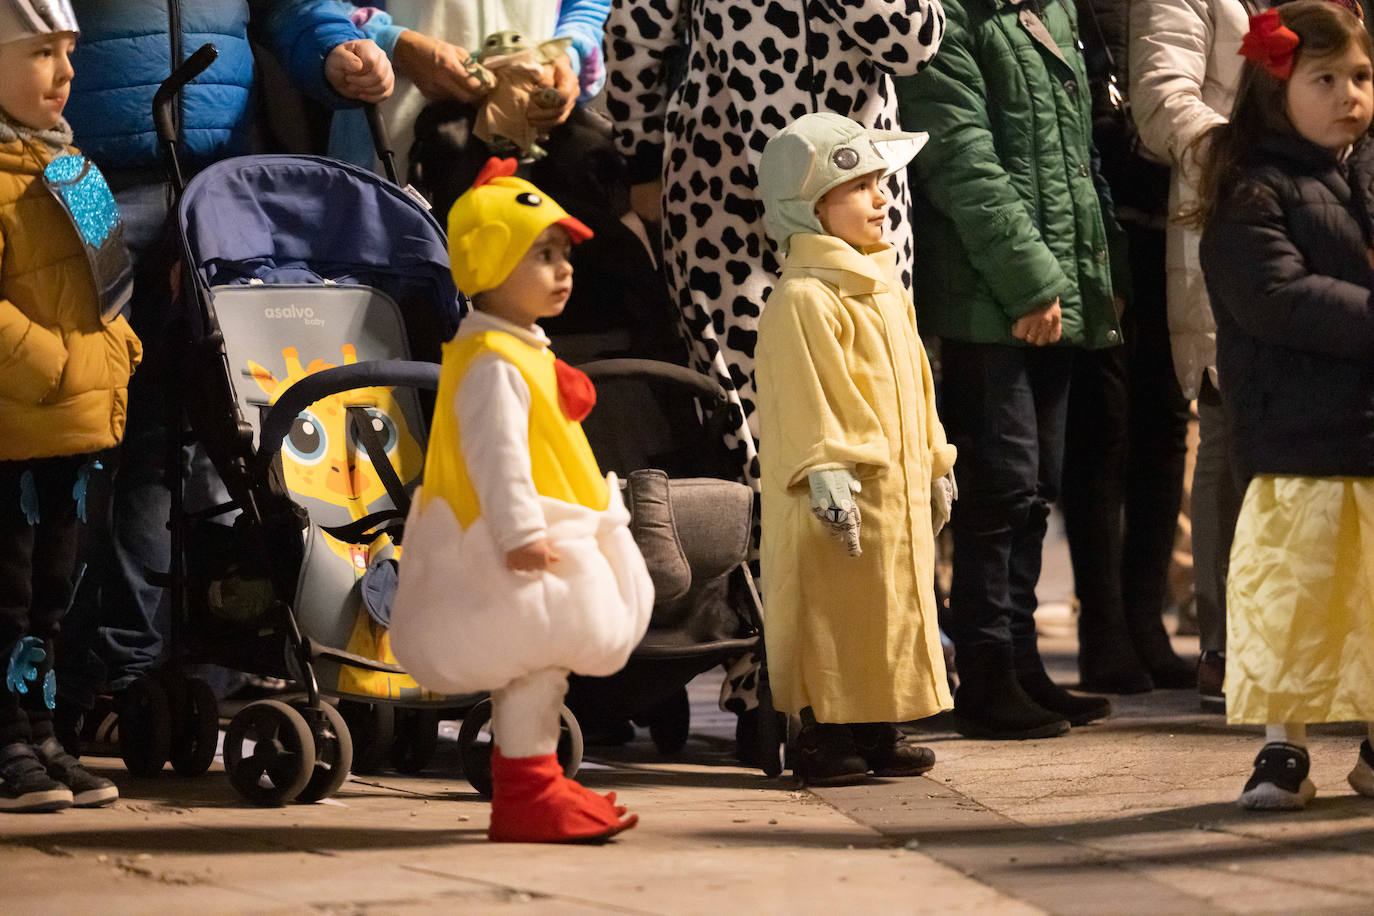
(843, 381)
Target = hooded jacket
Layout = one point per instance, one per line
(1286, 260)
(127, 48)
(64, 375)
(1009, 209)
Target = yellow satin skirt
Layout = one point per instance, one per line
(1300, 602)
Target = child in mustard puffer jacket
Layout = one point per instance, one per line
(66, 355)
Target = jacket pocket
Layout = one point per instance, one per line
(37, 366)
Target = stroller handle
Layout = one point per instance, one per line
(276, 425)
(702, 386)
(381, 142)
(164, 101)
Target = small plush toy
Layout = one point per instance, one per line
(519, 71)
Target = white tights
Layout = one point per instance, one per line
(524, 713)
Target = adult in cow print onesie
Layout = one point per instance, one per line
(695, 91)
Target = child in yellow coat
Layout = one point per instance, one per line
(849, 441)
(519, 565)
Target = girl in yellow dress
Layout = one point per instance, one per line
(1287, 247)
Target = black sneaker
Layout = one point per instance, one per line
(825, 756)
(25, 785)
(1280, 781)
(1362, 777)
(87, 789)
(887, 754)
(99, 735)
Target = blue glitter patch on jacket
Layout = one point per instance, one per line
(86, 195)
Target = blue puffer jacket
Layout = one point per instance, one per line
(125, 51)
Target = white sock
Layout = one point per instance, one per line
(1286, 732)
(524, 713)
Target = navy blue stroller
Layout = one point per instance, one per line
(315, 298)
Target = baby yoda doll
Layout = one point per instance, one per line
(519, 70)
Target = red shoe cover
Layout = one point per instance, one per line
(533, 802)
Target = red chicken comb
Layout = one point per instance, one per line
(495, 168)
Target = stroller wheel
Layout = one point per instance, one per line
(333, 753)
(269, 752)
(475, 745)
(417, 738)
(670, 722)
(372, 727)
(145, 727)
(194, 724)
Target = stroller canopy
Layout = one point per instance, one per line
(308, 219)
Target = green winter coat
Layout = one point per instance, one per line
(1007, 213)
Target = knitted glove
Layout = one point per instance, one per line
(943, 493)
(832, 501)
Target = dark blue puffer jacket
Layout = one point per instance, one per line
(126, 49)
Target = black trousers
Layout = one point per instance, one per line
(1123, 471)
(1004, 409)
(40, 540)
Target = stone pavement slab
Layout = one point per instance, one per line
(713, 837)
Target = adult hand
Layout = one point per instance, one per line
(358, 69)
(646, 199)
(1041, 327)
(536, 556)
(543, 116)
(441, 70)
(832, 501)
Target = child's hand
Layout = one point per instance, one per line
(358, 69)
(832, 501)
(1041, 327)
(536, 556)
(943, 492)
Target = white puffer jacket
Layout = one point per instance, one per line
(1184, 70)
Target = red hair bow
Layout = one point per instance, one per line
(1270, 44)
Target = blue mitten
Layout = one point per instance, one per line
(832, 501)
(28, 654)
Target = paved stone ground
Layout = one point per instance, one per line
(1134, 814)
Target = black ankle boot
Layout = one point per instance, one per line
(991, 704)
(825, 755)
(1107, 660)
(1152, 646)
(881, 746)
(1079, 710)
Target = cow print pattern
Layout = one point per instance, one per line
(751, 67)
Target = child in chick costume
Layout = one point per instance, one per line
(849, 444)
(519, 564)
